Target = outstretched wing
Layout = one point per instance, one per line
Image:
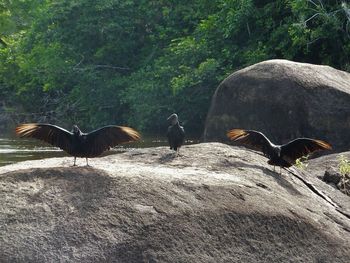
(49, 133)
(100, 140)
(301, 147)
(254, 139)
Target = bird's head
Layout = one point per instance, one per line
(173, 118)
(76, 130)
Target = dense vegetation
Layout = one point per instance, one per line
(136, 61)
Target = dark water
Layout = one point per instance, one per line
(14, 150)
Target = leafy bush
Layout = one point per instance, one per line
(344, 165)
(135, 62)
(344, 170)
(302, 162)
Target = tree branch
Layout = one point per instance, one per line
(101, 67)
(3, 42)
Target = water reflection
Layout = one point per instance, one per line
(14, 150)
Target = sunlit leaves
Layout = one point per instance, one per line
(136, 61)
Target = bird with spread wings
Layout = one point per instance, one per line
(284, 155)
(77, 143)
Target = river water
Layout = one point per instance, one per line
(14, 150)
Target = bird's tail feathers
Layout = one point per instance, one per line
(236, 134)
(324, 145)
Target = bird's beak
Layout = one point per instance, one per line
(172, 116)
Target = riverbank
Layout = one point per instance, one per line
(14, 149)
(214, 203)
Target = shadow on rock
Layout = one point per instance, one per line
(250, 237)
(167, 157)
(280, 179)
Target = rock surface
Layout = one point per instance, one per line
(316, 168)
(214, 203)
(284, 100)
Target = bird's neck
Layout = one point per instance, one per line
(277, 150)
(273, 151)
(77, 133)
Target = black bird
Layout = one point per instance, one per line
(175, 134)
(280, 155)
(77, 143)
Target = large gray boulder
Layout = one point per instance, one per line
(284, 100)
(214, 203)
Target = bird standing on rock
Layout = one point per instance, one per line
(280, 155)
(77, 143)
(175, 134)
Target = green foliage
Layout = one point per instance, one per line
(137, 61)
(344, 165)
(344, 170)
(322, 32)
(302, 163)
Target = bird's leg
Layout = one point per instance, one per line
(177, 152)
(280, 171)
(74, 161)
(87, 163)
(274, 168)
